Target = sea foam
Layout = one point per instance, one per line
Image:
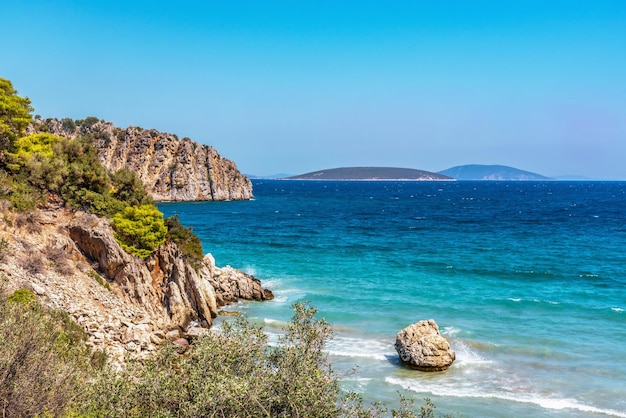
(454, 390)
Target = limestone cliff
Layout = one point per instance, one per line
(71, 261)
(171, 169)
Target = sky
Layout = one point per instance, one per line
(298, 86)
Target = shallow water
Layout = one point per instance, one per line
(526, 279)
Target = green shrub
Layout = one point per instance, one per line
(98, 203)
(236, 373)
(26, 147)
(128, 188)
(15, 115)
(185, 239)
(68, 124)
(44, 364)
(140, 229)
(22, 296)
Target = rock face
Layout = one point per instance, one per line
(127, 305)
(421, 346)
(171, 169)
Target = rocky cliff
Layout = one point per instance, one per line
(71, 261)
(171, 169)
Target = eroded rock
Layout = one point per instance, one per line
(422, 347)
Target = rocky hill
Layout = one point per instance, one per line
(127, 305)
(490, 172)
(171, 169)
(370, 173)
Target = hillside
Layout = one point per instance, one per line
(170, 168)
(370, 173)
(490, 172)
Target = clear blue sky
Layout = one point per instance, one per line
(296, 86)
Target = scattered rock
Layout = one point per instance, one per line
(421, 346)
(230, 313)
(173, 335)
(194, 333)
(181, 345)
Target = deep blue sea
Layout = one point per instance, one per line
(527, 280)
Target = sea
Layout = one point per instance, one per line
(526, 280)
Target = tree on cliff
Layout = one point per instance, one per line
(15, 115)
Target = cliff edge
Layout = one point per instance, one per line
(171, 169)
(127, 305)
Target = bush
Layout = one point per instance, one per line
(43, 361)
(98, 203)
(4, 249)
(185, 239)
(15, 115)
(236, 373)
(129, 189)
(140, 229)
(27, 146)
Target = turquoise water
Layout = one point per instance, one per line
(526, 279)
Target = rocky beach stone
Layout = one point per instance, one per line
(421, 346)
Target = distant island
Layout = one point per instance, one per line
(370, 173)
(490, 172)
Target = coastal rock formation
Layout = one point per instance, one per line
(170, 168)
(421, 346)
(127, 305)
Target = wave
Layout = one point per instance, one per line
(479, 392)
(620, 310)
(361, 348)
(465, 355)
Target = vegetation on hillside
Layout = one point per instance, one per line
(47, 370)
(44, 363)
(35, 166)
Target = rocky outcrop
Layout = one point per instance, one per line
(421, 346)
(127, 305)
(165, 283)
(170, 168)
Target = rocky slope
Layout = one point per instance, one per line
(172, 169)
(127, 305)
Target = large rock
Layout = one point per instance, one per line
(232, 285)
(421, 346)
(170, 168)
(164, 284)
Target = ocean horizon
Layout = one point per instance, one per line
(526, 280)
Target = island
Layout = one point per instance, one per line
(370, 173)
(490, 172)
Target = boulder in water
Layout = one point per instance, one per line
(421, 346)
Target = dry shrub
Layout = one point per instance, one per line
(43, 361)
(30, 221)
(59, 259)
(32, 262)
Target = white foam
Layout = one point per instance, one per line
(465, 355)
(617, 309)
(362, 348)
(514, 299)
(458, 391)
(251, 270)
(451, 331)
